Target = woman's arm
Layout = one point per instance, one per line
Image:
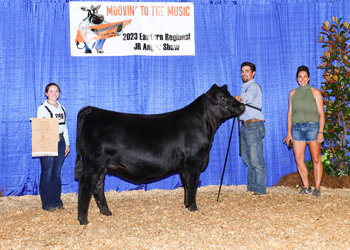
(289, 119)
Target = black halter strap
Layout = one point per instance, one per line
(250, 106)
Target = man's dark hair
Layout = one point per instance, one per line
(251, 65)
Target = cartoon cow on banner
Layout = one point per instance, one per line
(94, 30)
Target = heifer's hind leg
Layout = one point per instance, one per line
(184, 184)
(99, 194)
(84, 197)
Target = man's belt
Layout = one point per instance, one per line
(249, 121)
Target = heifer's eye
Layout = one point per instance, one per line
(222, 97)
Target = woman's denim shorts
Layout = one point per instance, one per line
(306, 131)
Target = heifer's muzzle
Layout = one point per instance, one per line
(237, 110)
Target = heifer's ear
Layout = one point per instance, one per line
(214, 86)
(224, 87)
(211, 91)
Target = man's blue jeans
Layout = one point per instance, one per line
(50, 178)
(252, 136)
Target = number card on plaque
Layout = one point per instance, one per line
(44, 137)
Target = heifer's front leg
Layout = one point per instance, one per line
(184, 184)
(84, 197)
(192, 182)
(99, 194)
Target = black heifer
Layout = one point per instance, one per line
(142, 148)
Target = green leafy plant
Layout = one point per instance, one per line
(336, 95)
(328, 165)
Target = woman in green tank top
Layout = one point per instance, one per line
(305, 123)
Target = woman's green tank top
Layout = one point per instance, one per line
(304, 107)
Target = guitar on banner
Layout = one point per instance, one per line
(102, 31)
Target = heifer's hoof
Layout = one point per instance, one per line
(83, 221)
(107, 212)
(193, 208)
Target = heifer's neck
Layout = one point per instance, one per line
(209, 112)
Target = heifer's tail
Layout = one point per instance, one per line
(78, 161)
(78, 167)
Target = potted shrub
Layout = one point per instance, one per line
(336, 95)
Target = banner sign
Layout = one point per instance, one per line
(131, 28)
(44, 137)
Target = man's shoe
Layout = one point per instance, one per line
(305, 190)
(51, 209)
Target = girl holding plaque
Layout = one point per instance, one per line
(50, 178)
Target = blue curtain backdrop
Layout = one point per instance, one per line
(276, 35)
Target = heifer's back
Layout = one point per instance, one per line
(142, 148)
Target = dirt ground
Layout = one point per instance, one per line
(294, 180)
(157, 219)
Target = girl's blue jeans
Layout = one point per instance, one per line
(50, 178)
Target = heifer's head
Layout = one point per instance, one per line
(93, 15)
(228, 105)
